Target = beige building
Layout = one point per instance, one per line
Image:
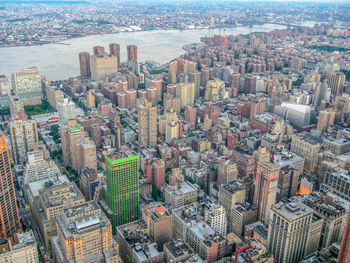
(27, 83)
(293, 232)
(171, 131)
(172, 102)
(227, 171)
(79, 152)
(307, 148)
(84, 234)
(103, 64)
(167, 117)
(91, 100)
(24, 135)
(50, 204)
(15, 104)
(229, 194)
(183, 193)
(215, 90)
(147, 124)
(185, 91)
(23, 250)
(54, 95)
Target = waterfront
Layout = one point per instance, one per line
(57, 61)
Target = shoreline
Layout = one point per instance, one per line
(59, 42)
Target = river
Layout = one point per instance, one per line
(57, 61)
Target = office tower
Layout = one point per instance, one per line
(22, 249)
(54, 95)
(158, 221)
(180, 194)
(293, 231)
(229, 194)
(171, 131)
(84, 234)
(123, 194)
(27, 84)
(172, 72)
(295, 113)
(50, 204)
(24, 135)
(79, 151)
(227, 171)
(9, 217)
(325, 119)
(190, 115)
(242, 214)
(102, 65)
(215, 217)
(322, 93)
(336, 82)
(344, 253)
(186, 93)
(114, 50)
(129, 238)
(306, 147)
(288, 180)
(132, 53)
(98, 50)
(195, 77)
(147, 124)
(337, 181)
(66, 111)
(5, 86)
(38, 167)
(84, 62)
(265, 188)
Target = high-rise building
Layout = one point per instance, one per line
(227, 171)
(336, 82)
(102, 65)
(84, 62)
(98, 50)
(171, 131)
(66, 111)
(325, 119)
(190, 115)
(9, 217)
(344, 253)
(114, 50)
(242, 214)
(24, 135)
(156, 173)
(215, 217)
(54, 95)
(50, 204)
(147, 124)
(229, 194)
(88, 182)
(132, 52)
(158, 221)
(79, 151)
(265, 188)
(337, 181)
(23, 249)
(195, 77)
(185, 91)
(5, 87)
(27, 84)
(172, 72)
(288, 180)
(322, 93)
(296, 113)
(122, 194)
(214, 90)
(91, 100)
(164, 119)
(84, 234)
(294, 232)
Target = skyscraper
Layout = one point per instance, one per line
(9, 217)
(265, 188)
(101, 65)
(336, 82)
(84, 62)
(132, 53)
(24, 135)
(147, 124)
(344, 253)
(293, 231)
(123, 195)
(114, 50)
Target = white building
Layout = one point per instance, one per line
(66, 111)
(295, 113)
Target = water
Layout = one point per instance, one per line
(58, 62)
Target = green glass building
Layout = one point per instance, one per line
(123, 191)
